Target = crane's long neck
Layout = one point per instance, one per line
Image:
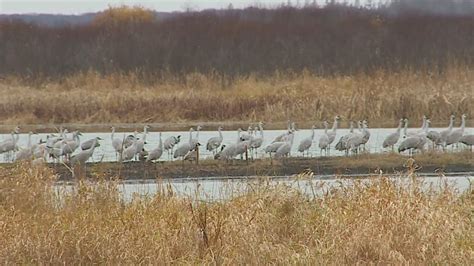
(145, 132)
(238, 135)
(160, 143)
(220, 134)
(312, 133)
(399, 127)
(451, 123)
(334, 126)
(261, 130)
(29, 140)
(325, 129)
(463, 123)
(405, 128)
(113, 133)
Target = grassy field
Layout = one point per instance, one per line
(378, 222)
(380, 97)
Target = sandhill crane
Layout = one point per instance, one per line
(257, 141)
(169, 144)
(324, 139)
(195, 140)
(355, 140)
(156, 153)
(393, 138)
(410, 143)
(228, 151)
(8, 146)
(25, 153)
(88, 143)
(193, 154)
(217, 156)
(332, 134)
(407, 133)
(141, 142)
(445, 133)
(117, 143)
(342, 144)
(468, 140)
(285, 149)
(128, 153)
(365, 133)
(184, 148)
(83, 156)
(281, 137)
(214, 142)
(434, 137)
(306, 143)
(456, 135)
(70, 145)
(416, 141)
(40, 151)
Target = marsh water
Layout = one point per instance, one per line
(223, 188)
(106, 152)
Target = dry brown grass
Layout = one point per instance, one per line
(378, 222)
(89, 97)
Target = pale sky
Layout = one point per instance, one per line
(84, 6)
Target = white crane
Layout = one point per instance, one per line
(83, 156)
(306, 143)
(393, 138)
(156, 153)
(214, 142)
(456, 135)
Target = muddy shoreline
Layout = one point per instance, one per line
(338, 166)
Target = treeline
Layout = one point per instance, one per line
(334, 39)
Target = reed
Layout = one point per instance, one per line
(375, 222)
(381, 97)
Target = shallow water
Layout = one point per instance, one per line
(226, 188)
(106, 153)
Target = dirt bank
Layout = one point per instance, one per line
(363, 164)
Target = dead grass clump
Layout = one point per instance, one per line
(379, 221)
(381, 97)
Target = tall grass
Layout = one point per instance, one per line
(375, 222)
(381, 97)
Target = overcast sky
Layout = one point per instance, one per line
(83, 6)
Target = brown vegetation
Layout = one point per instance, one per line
(381, 97)
(377, 222)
